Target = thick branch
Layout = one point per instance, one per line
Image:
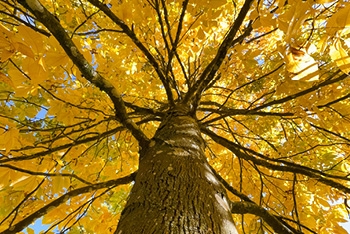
(53, 25)
(286, 166)
(245, 207)
(224, 112)
(252, 208)
(62, 199)
(278, 161)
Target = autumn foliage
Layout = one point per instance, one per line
(84, 85)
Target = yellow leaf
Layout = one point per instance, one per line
(24, 49)
(283, 26)
(200, 34)
(217, 3)
(322, 202)
(294, 18)
(254, 14)
(60, 162)
(345, 167)
(9, 138)
(340, 230)
(324, 1)
(268, 21)
(26, 183)
(31, 38)
(212, 4)
(257, 24)
(54, 59)
(301, 65)
(60, 183)
(29, 230)
(17, 77)
(6, 48)
(339, 20)
(36, 70)
(322, 43)
(10, 177)
(340, 56)
(49, 217)
(126, 13)
(6, 80)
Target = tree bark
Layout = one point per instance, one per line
(175, 190)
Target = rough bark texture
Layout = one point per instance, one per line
(175, 190)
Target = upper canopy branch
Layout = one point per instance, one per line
(210, 71)
(138, 43)
(174, 43)
(53, 25)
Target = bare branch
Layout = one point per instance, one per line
(224, 112)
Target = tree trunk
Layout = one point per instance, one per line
(175, 190)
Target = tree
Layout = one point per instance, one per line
(166, 116)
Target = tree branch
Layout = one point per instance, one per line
(271, 220)
(44, 210)
(301, 93)
(39, 30)
(175, 43)
(138, 43)
(224, 112)
(61, 147)
(53, 25)
(281, 166)
(329, 132)
(66, 146)
(249, 206)
(16, 209)
(44, 173)
(209, 72)
(335, 101)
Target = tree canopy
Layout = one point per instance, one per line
(84, 85)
